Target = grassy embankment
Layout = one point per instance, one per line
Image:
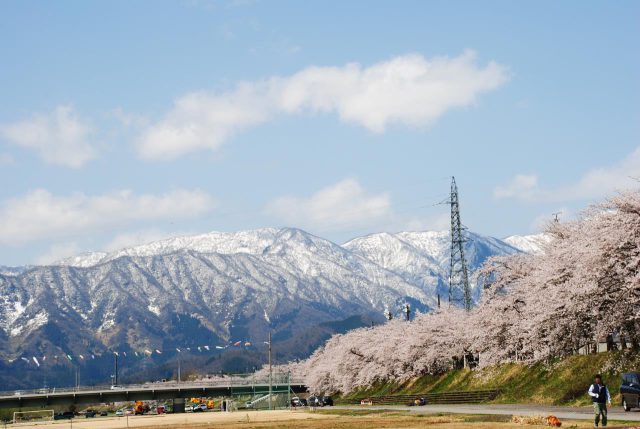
(563, 382)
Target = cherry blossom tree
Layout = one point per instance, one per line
(584, 286)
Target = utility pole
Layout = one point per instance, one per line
(270, 374)
(78, 377)
(115, 366)
(179, 368)
(458, 273)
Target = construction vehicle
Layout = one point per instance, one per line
(202, 403)
(141, 408)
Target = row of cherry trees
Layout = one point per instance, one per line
(583, 287)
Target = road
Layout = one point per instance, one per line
(575, 413)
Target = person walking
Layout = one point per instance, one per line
(600, 396)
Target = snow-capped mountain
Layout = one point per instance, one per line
(533, 244)
(252, 242)
(221, 287)
(11, 271)
(422, 258)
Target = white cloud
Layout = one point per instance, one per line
(596, 183)
(59, 137)
(436, 222)
(41, 215)
(520, 185)
(128, 120)
(336, 207)
(58, 252)
(407, 90)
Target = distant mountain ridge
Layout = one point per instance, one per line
(218, 287)
(533, 244)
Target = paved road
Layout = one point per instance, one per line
(577, 413)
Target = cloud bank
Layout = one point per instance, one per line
(334, 207)
(594, 184)
(408, 90)
(41, 215)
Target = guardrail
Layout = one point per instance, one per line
(459, 397)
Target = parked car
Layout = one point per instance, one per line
(326, 401)
(630, 390)
(304, 402)
(120, 413)
(188, 408)
(63, 416)
(199, 409)
(248, 404)
(89, 414)
(103, 413)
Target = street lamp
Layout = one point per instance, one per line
(270, 375)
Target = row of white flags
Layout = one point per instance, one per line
(143, 353)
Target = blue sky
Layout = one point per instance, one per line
(123, 122)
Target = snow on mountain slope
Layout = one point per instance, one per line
(422, 258)
(228, 289)
(212, 288)
(533, 244)
(12, 271)
(252, 241)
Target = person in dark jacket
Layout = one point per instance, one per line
(600, 396)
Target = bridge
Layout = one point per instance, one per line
(177, 392)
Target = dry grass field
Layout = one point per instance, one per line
(303, 420)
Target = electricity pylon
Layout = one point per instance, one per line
(458, 274)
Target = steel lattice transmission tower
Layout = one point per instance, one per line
(459, 290)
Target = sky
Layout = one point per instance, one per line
(124, 122)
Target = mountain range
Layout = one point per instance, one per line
(216, 289)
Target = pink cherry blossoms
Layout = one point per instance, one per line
(584, 287)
